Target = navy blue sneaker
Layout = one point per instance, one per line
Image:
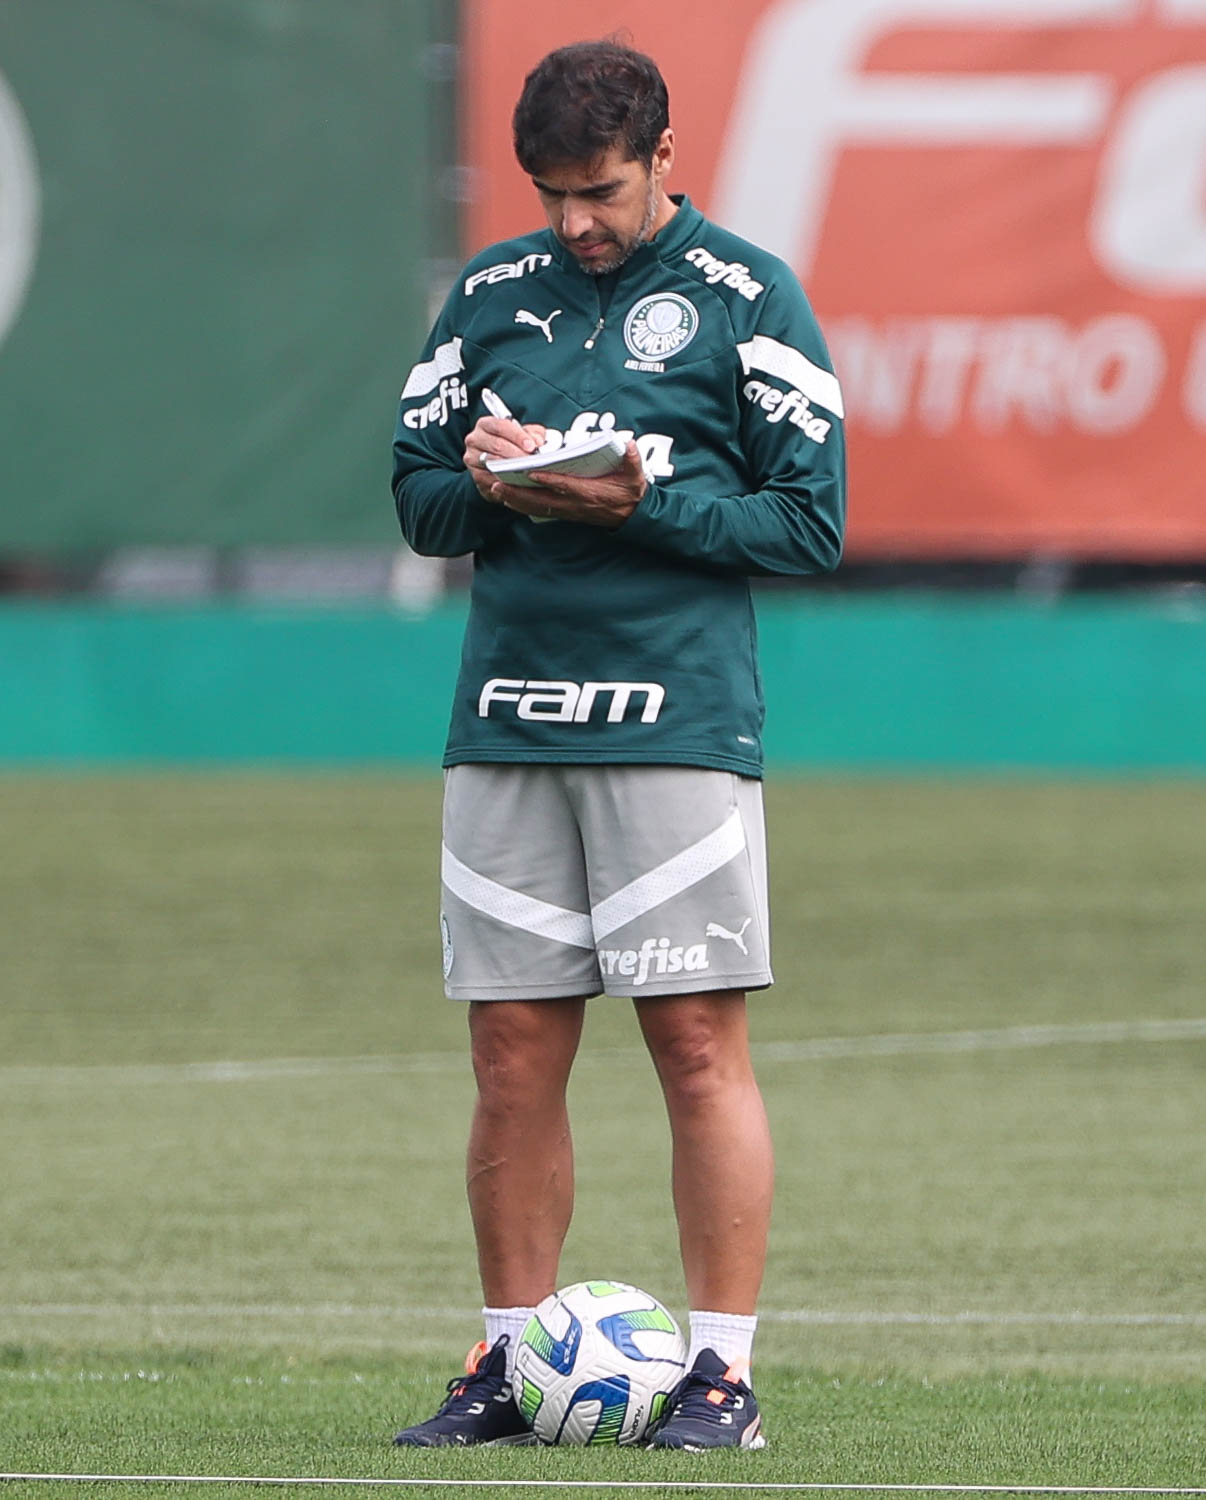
(711, 1407)
(478, 1408)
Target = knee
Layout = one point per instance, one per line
(516, 1059)
(699, 1045)
(505, 1068)
(694, 1064)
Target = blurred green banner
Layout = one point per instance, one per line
(216, 224)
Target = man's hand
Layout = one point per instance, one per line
(498, 437)
(607, 501)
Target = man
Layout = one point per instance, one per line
(603, 821)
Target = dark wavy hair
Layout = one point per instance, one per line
(583, 99)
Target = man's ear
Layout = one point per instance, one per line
(663, 155)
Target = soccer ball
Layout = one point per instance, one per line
(596, 1364)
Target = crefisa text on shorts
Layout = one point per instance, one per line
(656, 956)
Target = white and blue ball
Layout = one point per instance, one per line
(596, 1364)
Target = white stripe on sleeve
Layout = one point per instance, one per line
(424, 378)
(785, 363)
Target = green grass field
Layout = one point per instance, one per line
(233, 1239)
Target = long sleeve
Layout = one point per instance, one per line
(439, 509)
(790, 433)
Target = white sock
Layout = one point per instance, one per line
(508, 1320)
(730, 1335)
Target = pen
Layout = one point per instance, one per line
(496, 406)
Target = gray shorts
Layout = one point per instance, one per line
(586, 880)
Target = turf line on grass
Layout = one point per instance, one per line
(619, 1484)
(815, 1316)
(814, 1049)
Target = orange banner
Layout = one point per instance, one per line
(998, 208)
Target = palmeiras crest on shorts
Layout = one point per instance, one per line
(446, 944)
(660, 326)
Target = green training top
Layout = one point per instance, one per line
(635, 645)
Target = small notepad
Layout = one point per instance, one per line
(589, 458)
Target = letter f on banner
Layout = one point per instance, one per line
(775, 176)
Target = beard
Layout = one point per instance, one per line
(624, 249)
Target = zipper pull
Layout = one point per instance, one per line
(595, 332)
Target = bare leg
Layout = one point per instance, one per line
(520, 1166)
(723, 1165)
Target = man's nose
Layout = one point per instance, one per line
(576, 219)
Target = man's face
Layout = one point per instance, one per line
(603, 210)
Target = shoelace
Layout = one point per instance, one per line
(461, 1386)
(694, 1395)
